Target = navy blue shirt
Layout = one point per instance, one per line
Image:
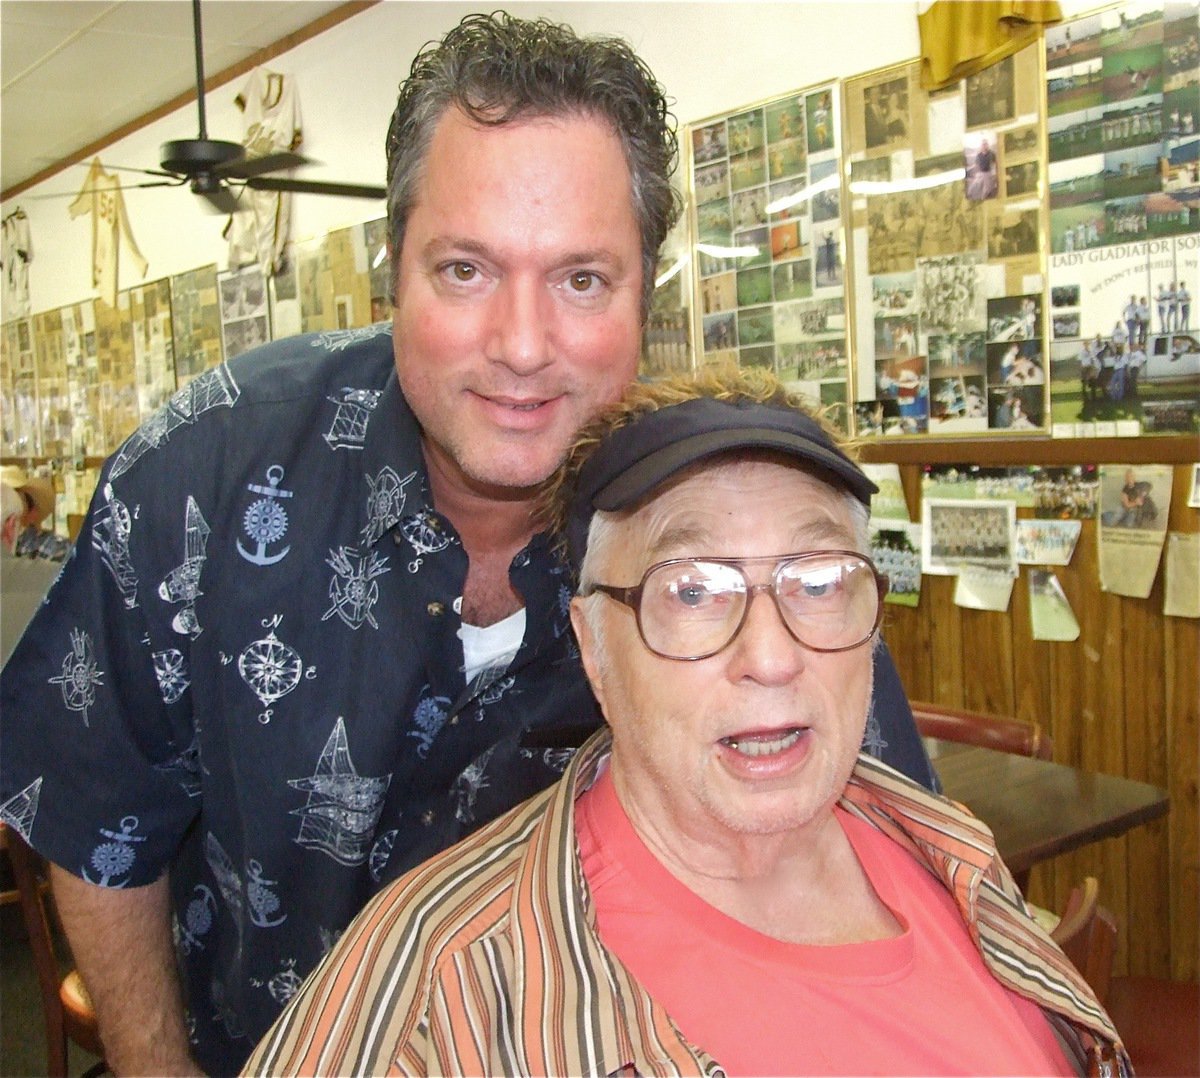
(249, 672)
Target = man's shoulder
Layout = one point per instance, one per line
(314, 364)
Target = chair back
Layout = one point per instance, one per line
(988, 731)
(66, 1009)
(1087, 933)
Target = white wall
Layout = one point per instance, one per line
(710, 56)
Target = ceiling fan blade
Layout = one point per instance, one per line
(315, 187)
(143, 171)
(122, 187)
(256, 166)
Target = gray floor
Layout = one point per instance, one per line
(22, 1030)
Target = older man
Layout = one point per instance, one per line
(720, 883)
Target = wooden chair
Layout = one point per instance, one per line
(988, 731)
(65, 1004)
(1087, 933)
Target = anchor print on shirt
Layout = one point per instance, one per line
(263, 902)
(343, 807)
(354, 409)
(424, 531)
(198, 920)
(266, 521)
(271, 668)
(115, 857)
(429, 717)
(386, 498)
(352, 586)
(20, 810)
(80, 675)
(110, 536)
(182, 584)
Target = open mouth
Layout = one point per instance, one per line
(764, 744)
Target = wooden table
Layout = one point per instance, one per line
(1038, 809)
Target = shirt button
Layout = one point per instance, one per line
(453, 720)
(427, 817)
(435, 609)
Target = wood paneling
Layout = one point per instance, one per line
(1124, 698)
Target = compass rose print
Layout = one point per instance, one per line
(271, 668)
(115, 858)
(265, 521)
(80, 675)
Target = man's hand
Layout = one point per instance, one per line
(121, 940)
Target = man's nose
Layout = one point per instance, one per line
(521, 326)
(765, 650)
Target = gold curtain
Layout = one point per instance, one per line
(961, 37)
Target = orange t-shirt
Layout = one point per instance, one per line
(920, 1003)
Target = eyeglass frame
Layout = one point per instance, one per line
(632, 597)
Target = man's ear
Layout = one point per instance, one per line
(588, 650)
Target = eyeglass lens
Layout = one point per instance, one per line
(691, 609)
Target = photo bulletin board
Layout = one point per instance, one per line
(945, 214)
(1123, 134)
(769, 256)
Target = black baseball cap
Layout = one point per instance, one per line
(634, 459)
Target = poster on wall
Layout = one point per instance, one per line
(770, 258)
(1123, 100)
(19, 417)
(195, 322)
(945, 216)
(244, 320)
(153, 345)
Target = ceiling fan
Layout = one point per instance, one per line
(216, 169)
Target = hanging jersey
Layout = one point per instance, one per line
(259, 231)
(17, 254)
(100, 196)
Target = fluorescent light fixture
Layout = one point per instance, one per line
(788, 201)
(727, 252)
(377, 261)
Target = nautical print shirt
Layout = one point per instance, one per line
(250, 671)
(253, 652)
(487, 959)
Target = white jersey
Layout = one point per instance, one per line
(17, 254)
(270, 124)
(100, 196)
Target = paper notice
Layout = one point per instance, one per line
(1133, 525)
(1049, 610)
(983, 589)
(1181, 598)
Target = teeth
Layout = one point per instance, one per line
(758, 747)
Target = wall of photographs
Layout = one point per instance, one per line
(955, 319)
(945, 217)
(769, 246)
(1123, 132)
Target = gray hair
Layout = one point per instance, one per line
(498, 68)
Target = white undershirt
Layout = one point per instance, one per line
(494, 645)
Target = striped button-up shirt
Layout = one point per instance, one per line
(487, 960)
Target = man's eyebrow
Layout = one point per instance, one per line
(590, 256)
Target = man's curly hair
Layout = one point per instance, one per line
(726, 383)
(499, 68)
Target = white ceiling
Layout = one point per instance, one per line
(71, 71)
